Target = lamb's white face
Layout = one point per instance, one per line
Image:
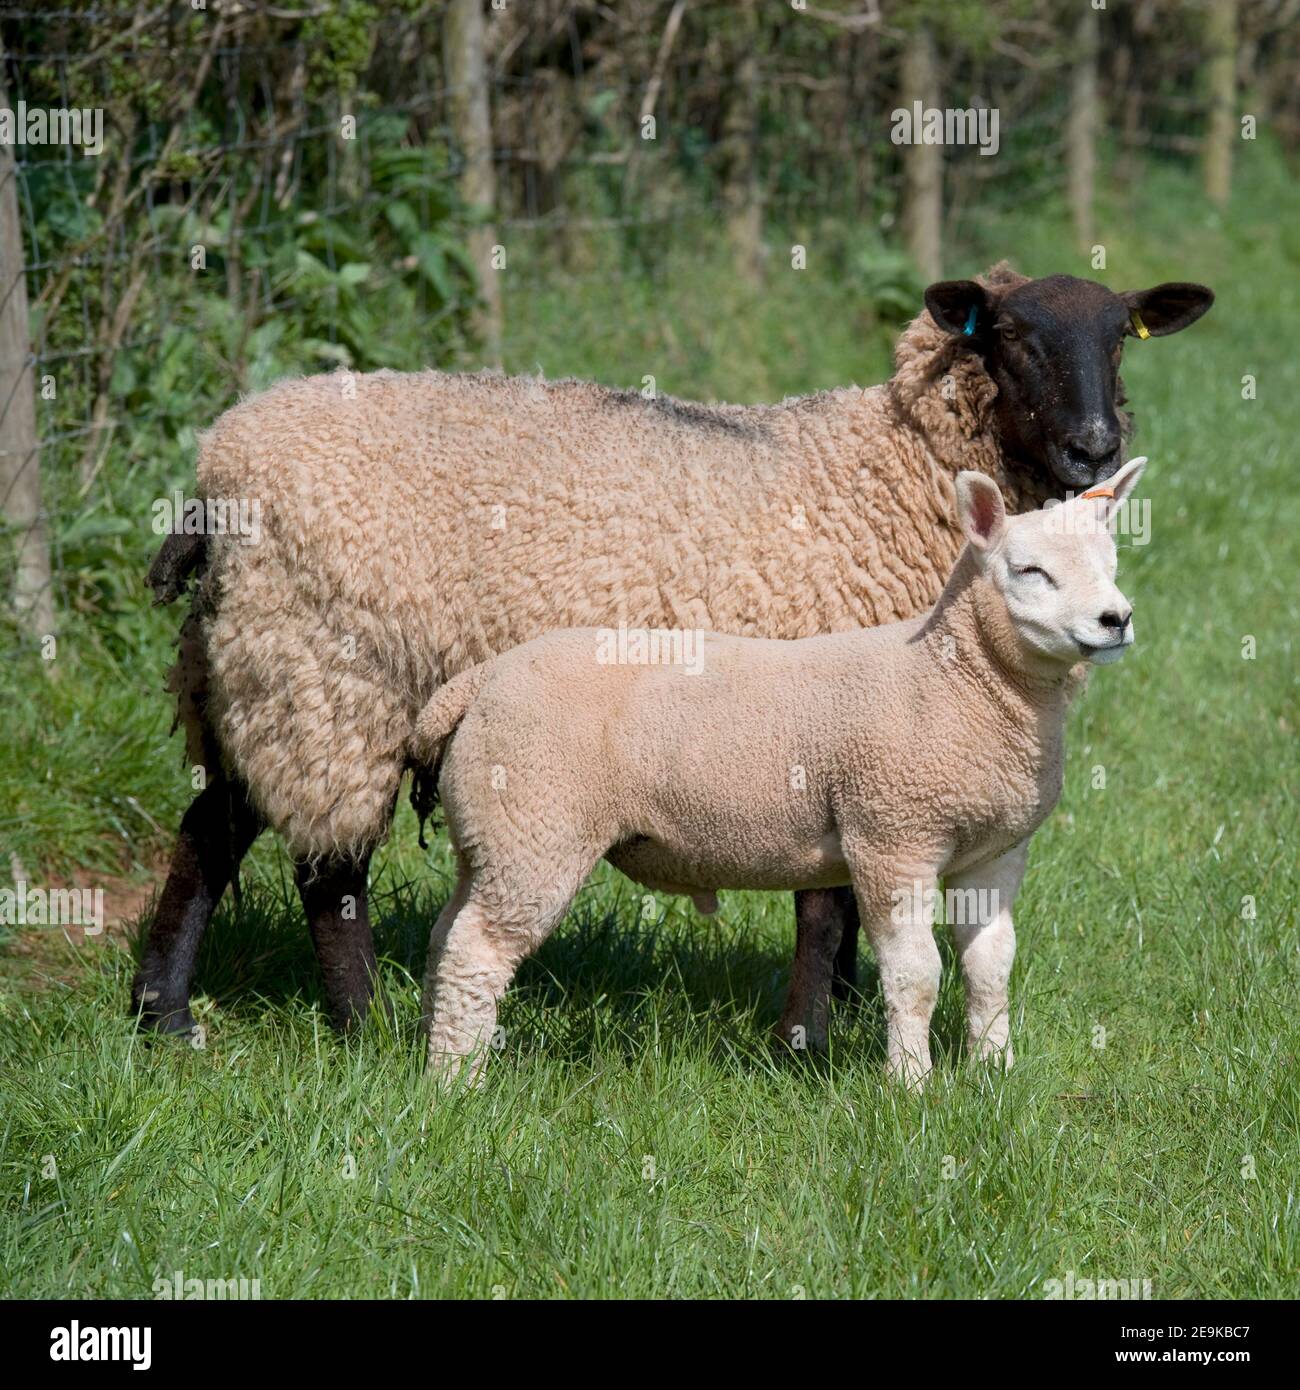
(1055, 569)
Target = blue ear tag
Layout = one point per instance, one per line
(970, 322)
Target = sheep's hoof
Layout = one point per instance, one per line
(174, 1020)
(799, 1040)
(160, 1018)
(352, 1017)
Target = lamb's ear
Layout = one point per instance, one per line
(959, 306)
(1166, 308)
(1114, 492)
(980, 510)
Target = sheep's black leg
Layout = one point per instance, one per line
(819, 927)
(215, 834)
(333, 895)
(844, 979)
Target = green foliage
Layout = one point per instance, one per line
(887, 280)
(339, 42)
(312, 291)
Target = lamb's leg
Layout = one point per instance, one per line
(897, 910)
(437, 943)
(818, 927)
(215, 834)
(462, 983)
(987, 947)
(485, 937)
(334, 898)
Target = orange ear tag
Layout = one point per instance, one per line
(1097, 492)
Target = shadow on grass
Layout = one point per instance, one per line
(607, 980)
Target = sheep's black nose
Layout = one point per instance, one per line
(1097, 447)
(1114, 621)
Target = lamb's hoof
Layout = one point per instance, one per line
(987, 1054)
(449, 1072)
(909, 1073)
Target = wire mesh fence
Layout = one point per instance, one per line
(286, 187)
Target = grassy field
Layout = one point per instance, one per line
(637, 1137)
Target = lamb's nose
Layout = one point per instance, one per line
(1115, 621)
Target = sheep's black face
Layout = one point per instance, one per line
(1053, 347)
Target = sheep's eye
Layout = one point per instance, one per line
(1036, 569)
(1009, 331)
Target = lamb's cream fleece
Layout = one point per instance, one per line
(888, 758)
(414, 525)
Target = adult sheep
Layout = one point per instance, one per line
(414, 525)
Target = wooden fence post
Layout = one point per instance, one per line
(20, 456)
(1081, 134)
(471, 123)
(1221, 44)
(741, 194)
(922, 164)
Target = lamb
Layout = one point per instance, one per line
(415, 525)
(889, 758)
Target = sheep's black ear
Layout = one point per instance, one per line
(959, 306)
(1166, 308)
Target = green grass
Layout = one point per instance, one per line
(636, 1136)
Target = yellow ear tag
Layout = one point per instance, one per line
(1139, 327)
